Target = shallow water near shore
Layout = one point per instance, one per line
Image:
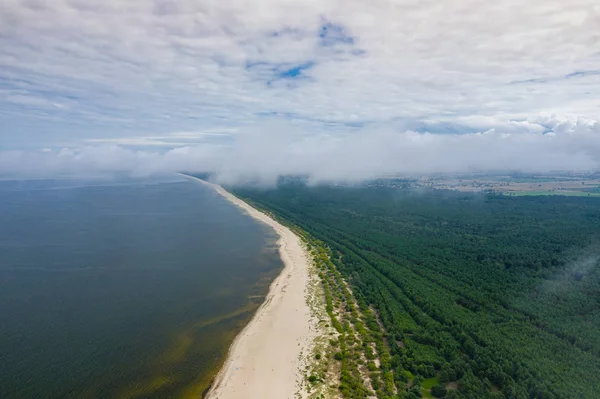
(124, 289)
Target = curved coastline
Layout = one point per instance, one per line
(266, 358)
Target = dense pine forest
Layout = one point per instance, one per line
(477, 295)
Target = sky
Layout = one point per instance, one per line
(338, 89)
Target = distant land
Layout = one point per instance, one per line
(515, 184)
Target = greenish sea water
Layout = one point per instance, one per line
(123, 289)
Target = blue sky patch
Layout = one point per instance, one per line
(277, 72)
(576, 74)
(295, 71)
(288, 32)
(332, 34)
(580, 74)
(525, 81)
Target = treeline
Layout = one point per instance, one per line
(480, 296)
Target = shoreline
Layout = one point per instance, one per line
(266, 358)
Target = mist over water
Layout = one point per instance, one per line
(123, 288)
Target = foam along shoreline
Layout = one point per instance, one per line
(266, 358)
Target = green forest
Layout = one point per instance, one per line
(478, 295)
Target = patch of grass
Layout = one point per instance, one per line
(429, 382)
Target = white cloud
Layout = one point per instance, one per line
(140, 67)
(275, 149)
(109, 77)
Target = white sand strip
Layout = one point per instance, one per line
(265, 359)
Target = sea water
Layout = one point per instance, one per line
(127, 288)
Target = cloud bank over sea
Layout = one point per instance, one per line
(275, 149)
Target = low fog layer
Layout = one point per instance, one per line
(265, 152)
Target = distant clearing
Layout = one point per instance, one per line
(520, 186)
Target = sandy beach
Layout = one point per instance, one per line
(265, 360)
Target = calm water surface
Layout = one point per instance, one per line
(129, 289)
